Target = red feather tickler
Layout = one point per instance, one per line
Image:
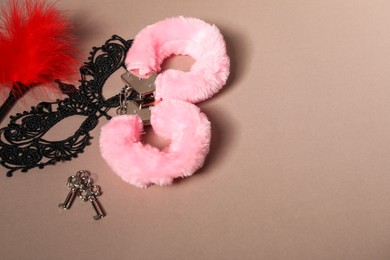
(36, 46)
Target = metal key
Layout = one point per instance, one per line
(75, 182)
(91, 194)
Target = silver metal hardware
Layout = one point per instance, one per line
(81, 186)
(76, 183)
(140, 106)
(143, 86)
(91, 194)
(133, 108)
(123, 100)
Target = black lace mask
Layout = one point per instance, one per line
(22, 146)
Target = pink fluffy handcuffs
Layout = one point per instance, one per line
(173, 116)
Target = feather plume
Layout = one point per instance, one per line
(36, 45)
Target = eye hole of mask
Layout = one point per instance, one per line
(64, 128)
(59, 131)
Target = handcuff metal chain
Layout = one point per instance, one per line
(137, 97)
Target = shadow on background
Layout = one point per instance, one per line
(223, 126)
(239, 51)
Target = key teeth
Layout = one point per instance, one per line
(62, 206)
(98, 217)
(82, 187)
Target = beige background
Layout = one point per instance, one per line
(300, 160)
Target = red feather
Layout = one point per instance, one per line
(36, 45)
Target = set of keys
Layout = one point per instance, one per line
(81, 186)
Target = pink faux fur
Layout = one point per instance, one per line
(173, 117)
(142, 165)
(181, 36)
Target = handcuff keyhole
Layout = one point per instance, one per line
(64, 129)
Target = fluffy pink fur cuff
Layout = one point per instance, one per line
(142, 165)
(181, 36)
(173, 117)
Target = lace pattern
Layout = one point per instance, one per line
(22, 146)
